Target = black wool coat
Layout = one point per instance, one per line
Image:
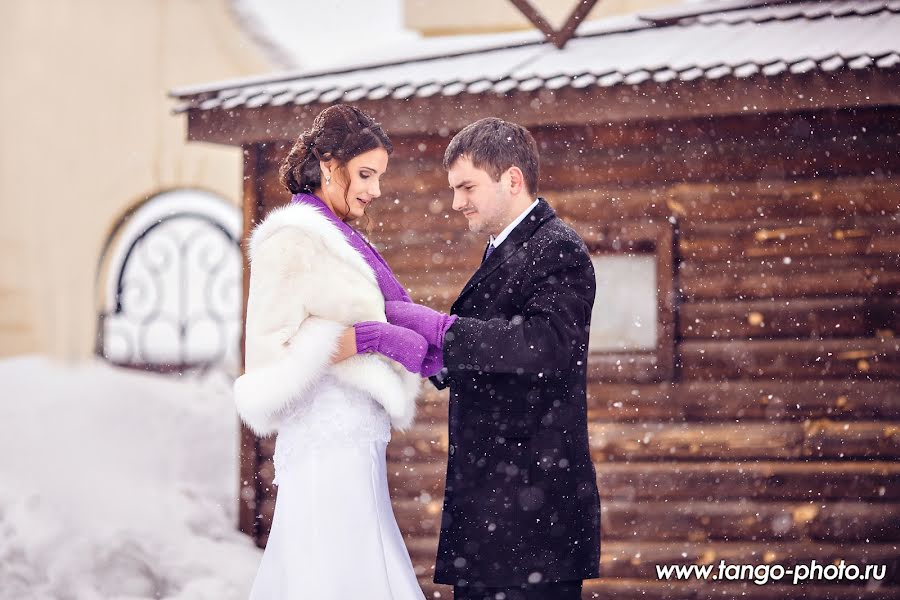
(521, 502)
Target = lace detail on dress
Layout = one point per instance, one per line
(331, 414)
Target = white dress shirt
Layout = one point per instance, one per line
(496, 241)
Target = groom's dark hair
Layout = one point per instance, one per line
(495, 145)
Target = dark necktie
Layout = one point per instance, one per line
(487, 252)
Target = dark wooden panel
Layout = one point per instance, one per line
(702, 160)
(794, 318)
(695, 203)
(704, 99)
(712, 401)
(722, 159)
(415, 251)
(266, 475)
(774, 147)
(412, 213)
(553, 139)
(790, 359)
(731, 240)
(638, 559)
(818, 439)
(431, 405)
(267, 446)
(624, 588)
(696, 521)
(270, 189)
(648, 589)
(438, 264)
(266, 514)
(634, 367)
(802, 277)
(751, 480)
(771, 401)
(690, 203)
(648, 171)
(250, 491)
(840, 522)
(422, 442)
(437, 294)
(873, 481)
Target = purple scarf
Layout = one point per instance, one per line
(391, 289)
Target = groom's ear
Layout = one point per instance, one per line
(516, 180)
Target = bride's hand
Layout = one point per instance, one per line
(346, 346)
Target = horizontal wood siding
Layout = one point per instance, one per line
(777, 436)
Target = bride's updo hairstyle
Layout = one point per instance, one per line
(340, 132)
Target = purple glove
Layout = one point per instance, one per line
(434, 361)
(403, 345)
(429, 323)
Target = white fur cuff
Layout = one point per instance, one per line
(263, 396)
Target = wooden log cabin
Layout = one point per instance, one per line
(734, 168)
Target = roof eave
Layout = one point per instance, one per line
(650, 100)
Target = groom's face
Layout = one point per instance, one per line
(481, 200)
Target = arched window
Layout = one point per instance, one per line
(170, 285)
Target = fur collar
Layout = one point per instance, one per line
(297, 355)
(311, 221)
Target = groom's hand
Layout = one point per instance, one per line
(433, 363)
(427, 322)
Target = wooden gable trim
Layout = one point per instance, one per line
(557, 37)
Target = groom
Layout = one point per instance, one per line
(521, 515)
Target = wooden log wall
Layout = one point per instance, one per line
(776, 438)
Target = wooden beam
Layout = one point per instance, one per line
(863, 358)
(557, 37)
(751, 440)
(536, 17)
(638, 559)
(748, 401)
(575, 18)
(568, 106)
(843, 480)
(805, 276)
(719, 401)
(778, 237)
(248, 486)
(693, 520)
(799, 318)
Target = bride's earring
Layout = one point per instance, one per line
(328, 180)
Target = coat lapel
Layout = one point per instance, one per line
(518, 236)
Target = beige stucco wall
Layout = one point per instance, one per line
(87, 131)
(476, 16)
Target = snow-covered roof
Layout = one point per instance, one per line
(712, 40)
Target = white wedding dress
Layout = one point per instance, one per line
(334, 535)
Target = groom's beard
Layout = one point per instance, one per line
(491, 224)
(473, 222)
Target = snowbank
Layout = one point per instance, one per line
(118, 484)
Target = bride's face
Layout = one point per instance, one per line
(356, 185)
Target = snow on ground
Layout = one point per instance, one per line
(116, 484)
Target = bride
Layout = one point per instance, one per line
(327, 372)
